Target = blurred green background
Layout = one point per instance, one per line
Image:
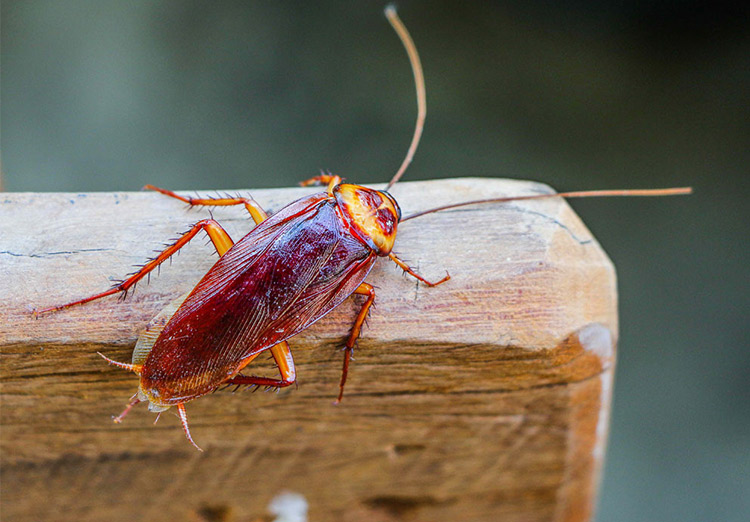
(110, 95)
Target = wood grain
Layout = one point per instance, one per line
(483, 399)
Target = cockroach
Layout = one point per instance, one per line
(288, 272)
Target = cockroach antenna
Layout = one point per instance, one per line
(678, 191)
(416, 67)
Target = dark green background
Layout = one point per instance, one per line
(110, 95)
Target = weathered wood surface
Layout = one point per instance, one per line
(482, 399)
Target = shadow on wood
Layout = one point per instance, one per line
(483, 399)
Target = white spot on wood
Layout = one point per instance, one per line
(596, 338)
(288, 507)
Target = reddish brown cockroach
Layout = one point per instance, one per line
(289, 271)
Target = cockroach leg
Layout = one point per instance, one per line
(412, 273)
(219, 238)
(252, 206)
(369, 291)
(185, 427)
(282, 354)
(283, 357)
(324, 179)
(133, 401)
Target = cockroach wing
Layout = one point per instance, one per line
(287, 273)
(148, 337)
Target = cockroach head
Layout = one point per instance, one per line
(372, 215)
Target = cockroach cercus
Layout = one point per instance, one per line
(292, 269)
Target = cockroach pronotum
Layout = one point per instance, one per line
(289, 271)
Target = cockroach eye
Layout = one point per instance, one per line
(392, 200)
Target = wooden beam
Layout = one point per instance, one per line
(483, 399)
